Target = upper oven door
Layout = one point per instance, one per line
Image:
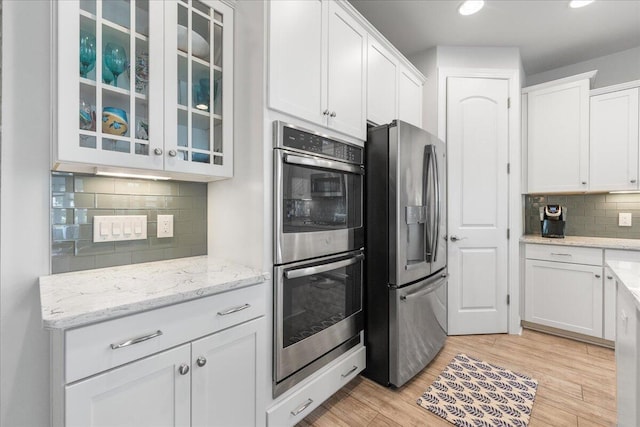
(317, 206)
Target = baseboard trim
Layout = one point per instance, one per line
(567, 334)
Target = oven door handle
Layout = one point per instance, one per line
(322, 163)
(310, 271)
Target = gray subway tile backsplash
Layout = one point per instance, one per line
(77, 198)
(594, 215)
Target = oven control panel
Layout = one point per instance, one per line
(318, 144)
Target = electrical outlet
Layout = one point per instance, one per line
(624, 219)
(165, 226)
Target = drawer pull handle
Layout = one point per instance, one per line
(351, 371)
(302, 407)
(609, 277)
(559, 254)
(597, 276)
(133, 341)
(234, 310)
(183, 369)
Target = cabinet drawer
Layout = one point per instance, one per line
(294, 408)
(90, 349)
(572, 254)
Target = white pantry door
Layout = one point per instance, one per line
(477, 146)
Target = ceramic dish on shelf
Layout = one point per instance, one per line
(199, 46)
(114, 121)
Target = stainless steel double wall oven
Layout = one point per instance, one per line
(318, 251)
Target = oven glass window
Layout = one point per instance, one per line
(311, 304)
(320, 200)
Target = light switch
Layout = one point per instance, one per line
(624, 219)
(109, 228)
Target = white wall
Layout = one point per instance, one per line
(612, 69)
(426, 62)
(236, 206)
(24, 216)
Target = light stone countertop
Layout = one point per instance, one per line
(628, 275)
(589, 242)
(83, 297)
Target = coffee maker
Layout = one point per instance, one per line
(553, 220)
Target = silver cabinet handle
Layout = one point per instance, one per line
(584, 182)
(559, 254)
(351, 371)
(597, 276)
(633, 181)
(183, 369)
(157, 151)
(136, 340)
(234, 309)
(302, 407)
(173, 153)
(201, 361)
(610, 277)
(325, 113)
(333, 114)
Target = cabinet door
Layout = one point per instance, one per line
(346, 90)
(120, 108)
(149, 392)
(558, 138)
(613, 146)
(382, 91)
(198, 42)
(297, 58)
(226, 379)
(627, 353)
(564, 296)
(409, 98)
(609, 306)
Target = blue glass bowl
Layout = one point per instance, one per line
(114, 121)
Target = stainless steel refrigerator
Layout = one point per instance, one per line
(406, 251)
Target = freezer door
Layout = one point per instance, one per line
(417, 327)
(416, 204)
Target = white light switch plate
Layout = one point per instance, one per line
(165, 226)
(624, 219)
(115, 228)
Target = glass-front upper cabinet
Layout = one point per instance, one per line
(146, 78)
(198, 86)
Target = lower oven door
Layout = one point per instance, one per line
(318, 306)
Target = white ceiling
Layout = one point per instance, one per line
(548, 32)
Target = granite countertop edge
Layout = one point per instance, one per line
(628, 274)
(589, 242)
(80, 298)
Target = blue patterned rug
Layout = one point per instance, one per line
(473, 393)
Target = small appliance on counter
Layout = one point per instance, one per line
(553, 219)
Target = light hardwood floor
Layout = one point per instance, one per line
(577, 384)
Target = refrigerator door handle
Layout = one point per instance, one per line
(426, 170)
(436, 225)
(432, 287)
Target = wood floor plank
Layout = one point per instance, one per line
(576, 388)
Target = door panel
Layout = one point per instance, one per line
(477, 144)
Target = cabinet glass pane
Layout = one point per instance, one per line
(88, 6)
(183, 81)
(142, 17)
(115, 57)
(217, 45)
(217, 93)
(217, 136)
(87, 141)
(183, 130)
(117, 12)
(200, 36)
(141, 67)
(200, 131)
(116, 145)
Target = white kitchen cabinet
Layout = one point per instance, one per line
(151, 392)
(562, 289)
(609, 306)
(165, 112)
(409, 98)
(627, 357)
(382, 71)
(613, 147)
(317, 54)
(558, 137)
(198, 363)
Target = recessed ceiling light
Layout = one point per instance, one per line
(579, 3)
(469, 7)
